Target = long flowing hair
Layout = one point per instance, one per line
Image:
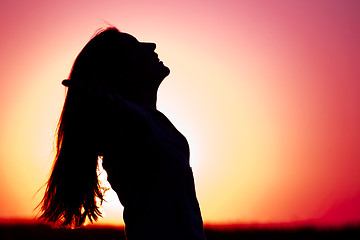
(73, 188)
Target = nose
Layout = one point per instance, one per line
(150, 46)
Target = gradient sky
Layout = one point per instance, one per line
(267, 93)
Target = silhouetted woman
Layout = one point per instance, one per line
(110, 111)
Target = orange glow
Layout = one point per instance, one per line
(266, 93)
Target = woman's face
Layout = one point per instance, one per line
(146, 65)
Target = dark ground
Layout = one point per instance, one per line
(44, 232)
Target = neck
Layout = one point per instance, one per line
(143, 96)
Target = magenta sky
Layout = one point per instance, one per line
(267, 93)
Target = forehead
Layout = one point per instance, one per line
(131, 42)
(128, 38)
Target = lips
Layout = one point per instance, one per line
(157, 59)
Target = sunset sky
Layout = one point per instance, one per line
(266, 92)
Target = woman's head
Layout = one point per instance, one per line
(119, 61)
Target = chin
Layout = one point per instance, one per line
(163, 72)
(159, 73)
(166, 71)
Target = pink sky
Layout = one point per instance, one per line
(267, 93)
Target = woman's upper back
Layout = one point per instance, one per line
(148, 167)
